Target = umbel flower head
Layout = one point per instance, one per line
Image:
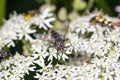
(92, 51)
(17, 27)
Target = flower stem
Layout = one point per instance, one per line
(89, 6)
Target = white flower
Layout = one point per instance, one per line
(41, 76)
(62, 55)
(17, 72)
(108, 75)
(52, 54)
(43, 20)
(40, 55)
(43, 65)
(26, 67)
(5, 74)
(68, 49)
(51, 74)
(38, 46)
(24, 31)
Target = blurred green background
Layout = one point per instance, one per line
(69, 8)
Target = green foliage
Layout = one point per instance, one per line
(88, 34)
(2, 10)
(104, 6)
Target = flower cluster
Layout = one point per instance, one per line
(93, 51)
(18, 27)
(16, 67)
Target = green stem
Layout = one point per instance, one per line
(2, 10)
(89, 6)
(26, 47)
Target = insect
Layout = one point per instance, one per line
(117, 23)
(3, 54)
(101, 20)
(31, 13)
(56, 38)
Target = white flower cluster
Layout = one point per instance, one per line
(98, 47)
(16, 67)
(18, 27)
(93, 39)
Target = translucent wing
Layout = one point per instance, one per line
(40, 36)
(65, 29)
(43, 37)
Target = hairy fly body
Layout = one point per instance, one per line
(58, 41)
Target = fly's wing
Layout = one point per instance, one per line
(43, 37)
(65, 29)
(33, 12)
